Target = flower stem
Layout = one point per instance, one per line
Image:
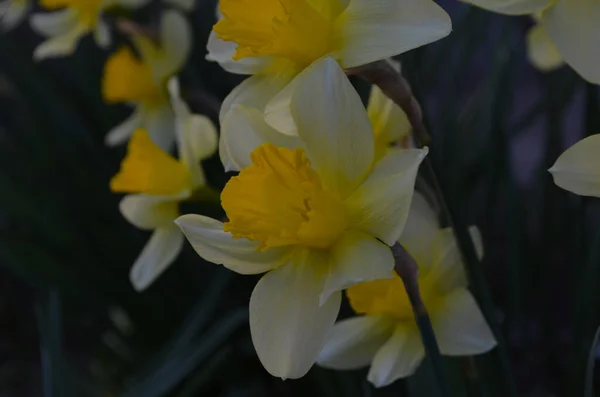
(406, 267)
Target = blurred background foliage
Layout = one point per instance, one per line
(72, 325)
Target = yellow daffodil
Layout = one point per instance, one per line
(386, 336)
(158, 182)
(12, 13)
(578, 168)
(276, 39)
(142, 81)
(70, 21)
(314, 211)
(572, 25)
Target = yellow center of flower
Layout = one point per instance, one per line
(279, 201)
(129, 79)
(88, 10)
(387, 297)
(150, 170)
(291, 29)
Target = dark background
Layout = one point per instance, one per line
(65, 251)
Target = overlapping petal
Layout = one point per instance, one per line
(158, 253)
(149, 212)
(287, 323)
(333, 125)
(373, 30)
(420, 230)
(352, 343)
(380, 205)
(207, 237)
(541, 51)
(578, 168)
(222, 51)
(176, 42)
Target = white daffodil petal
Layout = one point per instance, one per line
(160, 124)
(357, 257)
(255, 92)
(160, 252)
(102, 34)
(54, 23)
(207, 237)
(541, 51)
(287, 324)
(373, 30)
(380, 205)
(176, 42)
(352, 343)
(149, 212)
(477, 241)
(459, 325)
(398, 358)
(222, 51)
(333, 125)
(420, 229)
(121, 132)
(180, 107)
(61, 45)
(242, 131)
(512, 7)
(573, 27)
(198, 141)
(12, 13)
(447, 266)
(390, 123)
(578, 168)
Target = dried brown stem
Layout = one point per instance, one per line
(394, 86)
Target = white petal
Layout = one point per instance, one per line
(287, 324)
(160, 251)
(333, 125)
(61, 45)
(121, 132)
(541, 51)
(573, 27)
(373, 30)
(578, 168)
(352, 343)
(198, 141)
(102, 34)
(380, 205)
(185, 5)
(207, 237)
(357, 257)
(176, 42)
(243, 130)
(160, 124)
(398, 358)
(222, 51)
(390, 123)
(512, 7)
(459, 325)
(420, 230)
(255, 92)
(54, 23)
(149, 212)
(12, 13)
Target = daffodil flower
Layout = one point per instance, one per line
(142, 81)
(572, 26)
(313, 211)
(73, 20)
(386, 336)
(158, 183)
(541, 51)
(12, 13)
(578, 168)
(276, 39)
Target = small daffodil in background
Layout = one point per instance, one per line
(571, 25)
(274, 40)
(12, 12)
(158, 182)
(385, 335)
(541, 51)
(578, 168)
(141, 80)
(309, 211)
(70, 20)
